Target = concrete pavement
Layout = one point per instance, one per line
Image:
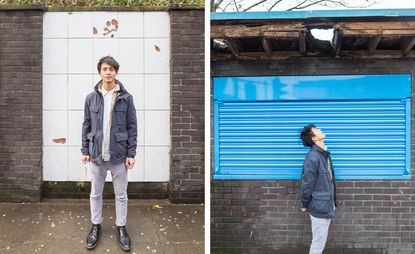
(61, 226)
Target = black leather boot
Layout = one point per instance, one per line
(124, 238)
(93, 237)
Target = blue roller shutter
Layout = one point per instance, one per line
(366, 119)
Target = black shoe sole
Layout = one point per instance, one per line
(92, 247)
(125, 249)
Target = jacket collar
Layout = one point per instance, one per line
(320, 150)
(122, 90)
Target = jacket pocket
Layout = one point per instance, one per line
(121, 144)
(120, 113)
(93, 109)
(121, 137)
(93, 112)
(321, 202)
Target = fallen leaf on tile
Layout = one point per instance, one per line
(156, 206)
(59, 140)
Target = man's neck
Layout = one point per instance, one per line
(321, 145)
(108, 86)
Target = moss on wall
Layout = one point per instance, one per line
(106, 3)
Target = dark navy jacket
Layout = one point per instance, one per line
(318, 191)
(123, 133)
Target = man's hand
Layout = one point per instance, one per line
(303, 209)
(129, 162)
(85, 159)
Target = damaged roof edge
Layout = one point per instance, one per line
(313, 14)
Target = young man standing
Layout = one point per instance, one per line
(318, 188)
(109, 142)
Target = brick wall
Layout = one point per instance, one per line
(187, 106)
(263, 216)
(20, 104)
(135, 190)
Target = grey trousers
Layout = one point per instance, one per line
(320, 229)
(119, 181)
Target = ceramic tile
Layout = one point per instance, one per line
(55, 60)
(157, 91)
(157, 164)
(156, 56)
(54, 92)
(80, 56)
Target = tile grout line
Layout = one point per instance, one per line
(144, 98)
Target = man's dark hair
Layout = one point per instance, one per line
(110, 61)
(307, 135)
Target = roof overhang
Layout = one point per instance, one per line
(276, 35)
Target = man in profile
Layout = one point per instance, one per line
(109, 142)
(318, 188)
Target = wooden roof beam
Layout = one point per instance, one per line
(378, 25)
(302, 43)
(337, 41)
(379, 32)
(233, 46)
(373, 43)
(220, 31)
(407, 44)
(266, 44)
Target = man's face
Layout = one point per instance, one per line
(107, 73)
(318, 134)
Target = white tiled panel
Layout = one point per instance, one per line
(97, 78)
(157, 91)
(54, 126)
(134, 84)
(79, 86)
(76, 169)
(75, 119)
(157, 164)
(100, 20)
(55, 25)
(109, 177)
(131, 24)
(71, 52)
(54, 91)
(156, 57)
(157, 128)
(55, 162)
(104, 47)
(141, 128)
(80, 24)
(55, 51)
(136, 174)
(156, 24)
(80, 56)
(131, 55)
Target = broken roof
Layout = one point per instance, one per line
(356, 33)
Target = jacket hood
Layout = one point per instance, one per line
(122, 89)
